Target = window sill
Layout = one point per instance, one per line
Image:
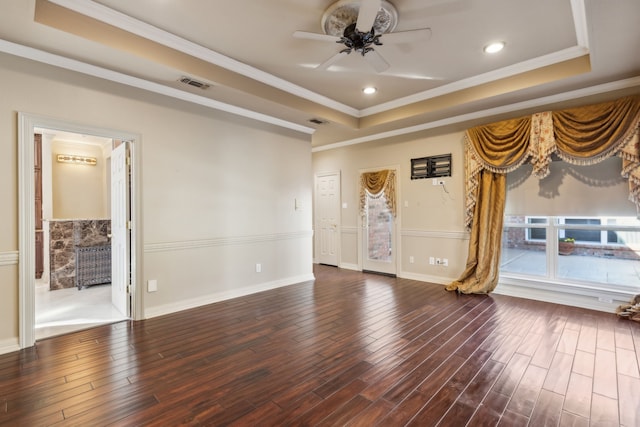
(592, 296)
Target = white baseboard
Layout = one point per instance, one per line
(222, 296)
(555, 296)
(348, 266)
(9, 346)
(559, 297)
(440, 280)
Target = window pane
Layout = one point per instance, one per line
(522, 256)
(617, 264)
(623, 237)
(583, 235)
(537, 233)
(534, 220)
(580, 221)
(380, 224)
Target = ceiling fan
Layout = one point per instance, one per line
(359, 26)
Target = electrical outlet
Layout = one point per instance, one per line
(258, 268)
(445, 262)
(438, 261)
(411, 260)
(152, 285)
(432, 260)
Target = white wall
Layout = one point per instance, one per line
(217, 192)
(77, 190)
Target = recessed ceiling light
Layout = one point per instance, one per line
(369, 90)
(494, 47)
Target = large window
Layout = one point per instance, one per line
(588, 207)
(601, 252)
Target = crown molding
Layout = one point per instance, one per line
(125, 79)
(533, 103)
(499, 74)
(142, 29)
(580, 22)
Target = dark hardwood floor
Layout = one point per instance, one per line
(350, 349)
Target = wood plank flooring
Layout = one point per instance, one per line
(351, 349)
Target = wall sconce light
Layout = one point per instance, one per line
(78, 160)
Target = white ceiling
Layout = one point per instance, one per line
(556, 51)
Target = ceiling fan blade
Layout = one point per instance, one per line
(407, 36)
(377, 61)
(367, 15)
(315, 36)
(412, 76)
(329, 62)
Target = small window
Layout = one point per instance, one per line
(583, 235)
(536, 233)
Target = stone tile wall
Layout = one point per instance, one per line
(64, 236)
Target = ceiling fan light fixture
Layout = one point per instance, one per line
(494, 47)
(369, 90)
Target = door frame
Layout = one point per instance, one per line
(396, 223)
(338, 219)
(27, 123)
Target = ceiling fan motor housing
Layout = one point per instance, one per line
(343, 13)
(359, 41)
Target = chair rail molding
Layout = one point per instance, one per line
(9, 258)
(225, 241)
(436, 234)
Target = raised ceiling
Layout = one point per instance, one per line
(556, 50)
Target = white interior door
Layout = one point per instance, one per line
(120, 234)
(378, 237)
(328, 217)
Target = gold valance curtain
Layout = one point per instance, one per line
(377, 184)
(585, 135)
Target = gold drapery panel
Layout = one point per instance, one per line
(376, 184)
(585, 135)
(482, 271)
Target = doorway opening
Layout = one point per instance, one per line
(379, 225)
(70, 276)
(73, 232)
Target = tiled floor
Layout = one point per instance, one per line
(67, 310)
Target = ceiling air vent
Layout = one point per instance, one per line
(317, 121)
(195, 83)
